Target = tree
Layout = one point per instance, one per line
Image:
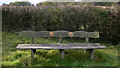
(39, 4)
(103, 3)
(46, 4)
(23, 3)
(3, 4)
(119, 3)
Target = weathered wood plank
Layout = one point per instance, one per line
(92, 34)
(84, 34)
(79, 34)
(34, 34)
(60, 46)
(59, 33)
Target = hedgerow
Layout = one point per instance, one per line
(63, 17)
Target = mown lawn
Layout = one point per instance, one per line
(14, 57)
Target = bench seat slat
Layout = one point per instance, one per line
(61, 46)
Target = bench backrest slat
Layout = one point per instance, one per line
(79, 34)
(60, 33)
(34, 34)
(92, 34)
(84, 34)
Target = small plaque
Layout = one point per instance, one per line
(51, 33)
(70, 34)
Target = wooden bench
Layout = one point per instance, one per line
(89, 47)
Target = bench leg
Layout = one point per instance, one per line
(32, 53)
(91, 51)
(62, 52)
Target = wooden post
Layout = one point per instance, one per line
(32, 54)
(86, 41)
(32, 50)
(60, 40)
(32, 41)
(91, 52)
(62, 52)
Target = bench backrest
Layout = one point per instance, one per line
(82, 34)
(60, 34)
(34, 34)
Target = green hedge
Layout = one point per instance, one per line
(71, 18)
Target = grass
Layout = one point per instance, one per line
(14, 57)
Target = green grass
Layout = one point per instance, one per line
(14, 57)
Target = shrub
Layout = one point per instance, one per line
(67, 17)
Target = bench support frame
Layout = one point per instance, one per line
(62, 53)
(33, 51)
(61, 34)
(91, 52)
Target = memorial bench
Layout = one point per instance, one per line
(89, 47)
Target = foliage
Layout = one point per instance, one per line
(17, 3)
(103, 3)
(63, 17)
(62, 3)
